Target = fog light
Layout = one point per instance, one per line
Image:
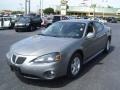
(49, 74)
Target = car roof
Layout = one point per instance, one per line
(78, 20)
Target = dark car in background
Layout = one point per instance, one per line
(14, 19)
(55, 18)
(112, 20)
(28, 23)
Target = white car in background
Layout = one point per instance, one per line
(99, 19)
(5, 22)
(102, 20)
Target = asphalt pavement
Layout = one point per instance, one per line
(102, 73)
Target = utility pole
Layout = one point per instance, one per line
(27, 6)
(104, 3)
(41, 8)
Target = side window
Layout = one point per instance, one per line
(6, 19)
(90, 28)
(98, 27)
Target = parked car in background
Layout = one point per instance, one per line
(14, 19)
(55, 18)
(60, 50)
(27, 23)
(112, 20)
(72, 17)
(100, 19)
(5, 22)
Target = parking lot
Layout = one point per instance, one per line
(102, 73)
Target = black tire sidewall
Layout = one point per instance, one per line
(69, 73)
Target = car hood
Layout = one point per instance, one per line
(20, 23)
(40, 45)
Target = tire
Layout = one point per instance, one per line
(32, 28)
(75, 66)
(107, 47)
(16, 30)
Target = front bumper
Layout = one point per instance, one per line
(38, 71)
(22, 28)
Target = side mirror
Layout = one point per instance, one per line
(90, 35)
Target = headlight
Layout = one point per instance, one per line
(9, 24)
(16, 24)
(52, 57)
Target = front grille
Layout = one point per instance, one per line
(14, 58)
(18, 60)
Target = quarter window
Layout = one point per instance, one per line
(90, 28)
(98, 27)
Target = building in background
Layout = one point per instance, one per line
(6, 12)
(89, 11)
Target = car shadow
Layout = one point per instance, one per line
(63, 81)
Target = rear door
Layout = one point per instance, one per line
(101, 35)
(90, 45)
(37, 21)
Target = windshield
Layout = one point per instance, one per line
(24, 19)
(65, 29)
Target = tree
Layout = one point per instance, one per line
(109, 6)
(17, 12)
(48, 11)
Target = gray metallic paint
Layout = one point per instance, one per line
(38, 45)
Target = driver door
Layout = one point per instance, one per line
(90, 46)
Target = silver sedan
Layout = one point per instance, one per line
(59, 50)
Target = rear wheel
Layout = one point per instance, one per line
(75, 66)
(32, 28)
(107, 48)
(16, 30)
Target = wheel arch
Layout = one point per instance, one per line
(80, 52)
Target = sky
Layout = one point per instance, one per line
(35, 4)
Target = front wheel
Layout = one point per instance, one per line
(75, 66)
